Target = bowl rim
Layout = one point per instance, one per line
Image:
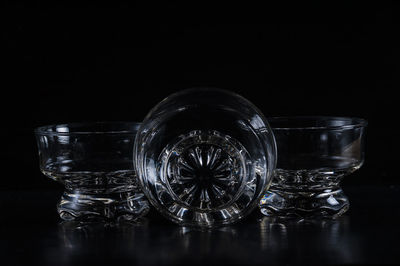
(356, 122)
(49, 129)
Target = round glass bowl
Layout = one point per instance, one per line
(314, 154)
(204, 157)
(94, 163)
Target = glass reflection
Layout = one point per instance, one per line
(309, 239)
(265, 241)
(80, 240)
(206, 241)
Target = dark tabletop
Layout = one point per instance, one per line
(31, 233)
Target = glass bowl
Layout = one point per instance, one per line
(314, 154)
(204, 157)
(94, 163)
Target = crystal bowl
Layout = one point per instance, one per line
(94, 163)
(204, 157)
(314, 154)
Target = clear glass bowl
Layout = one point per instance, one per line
(204, 157)
(314, 154)
(94, 162)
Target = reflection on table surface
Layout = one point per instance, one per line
(265, 240)
(31, 233)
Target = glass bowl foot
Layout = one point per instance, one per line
(327, 203)
(79, 206)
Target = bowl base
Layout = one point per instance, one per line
(325, 203)
(78, 206)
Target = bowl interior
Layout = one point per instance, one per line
(90, 128)
(315, 122)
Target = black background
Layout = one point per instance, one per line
(94, 63)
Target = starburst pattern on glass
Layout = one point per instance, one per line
(204, 170)
(206, 175)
